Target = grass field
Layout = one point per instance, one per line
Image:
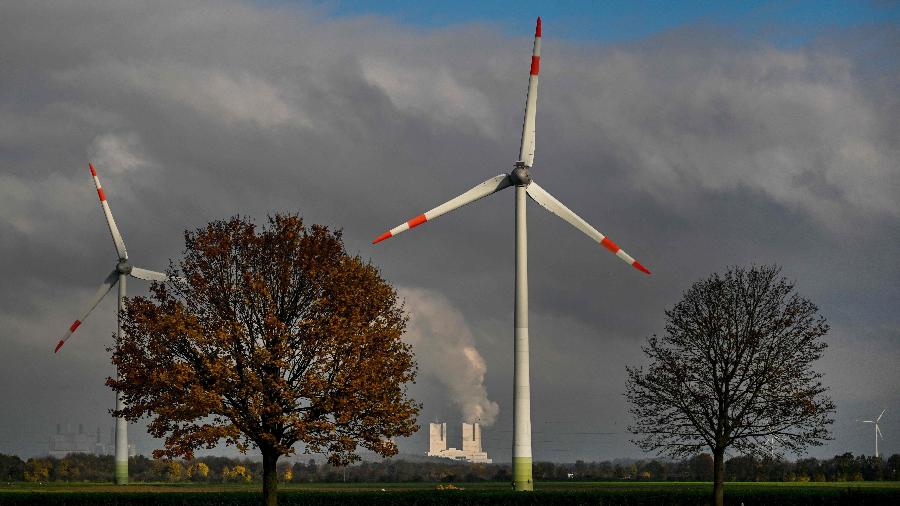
(348, 494)
(418, 486)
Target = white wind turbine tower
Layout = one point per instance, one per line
(520, 177)
(877, 429)
(118, 275)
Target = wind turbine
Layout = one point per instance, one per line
(520, 177)
(877, 430)
(122, 270)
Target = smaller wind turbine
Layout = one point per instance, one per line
(877, 430)
(122, 270)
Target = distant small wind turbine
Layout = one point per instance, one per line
(122, 270)
(877, 430)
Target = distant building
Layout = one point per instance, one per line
(471, 436)
(68, 441)
(437, 438)
(471, 443)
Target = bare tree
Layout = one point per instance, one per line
(733, 369)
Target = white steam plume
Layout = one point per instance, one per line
(445, 348)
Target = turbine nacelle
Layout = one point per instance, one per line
(123, 267)
(520, 175)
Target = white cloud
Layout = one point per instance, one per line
(431, 91)
(117, 153)
(35, 208)
(791, 124)
(219, 94)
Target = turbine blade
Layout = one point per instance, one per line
(107, 285)
(526, 148)
(878, 430)
(149, 275)
(484, 189)
(882, 414)
(867, 421)
(113, 229)
(556, 207)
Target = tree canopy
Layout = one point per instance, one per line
(267, 338)
(733, 370)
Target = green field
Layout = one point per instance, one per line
(482, 493)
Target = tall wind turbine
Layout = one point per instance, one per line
(122, 270)
(520, 177)
(877, 430)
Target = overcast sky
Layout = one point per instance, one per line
(696, 140)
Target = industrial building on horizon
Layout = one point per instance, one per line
(471, 443)
(67, 441)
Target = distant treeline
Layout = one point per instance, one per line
(88, 467)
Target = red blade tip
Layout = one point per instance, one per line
(537, 29)
(381, 237)
(637, 265)
(59, 345)
(93, 172)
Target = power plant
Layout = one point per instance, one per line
(67, 441)
(471, 443)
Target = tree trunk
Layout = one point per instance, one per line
(719, 477)
(270, 477)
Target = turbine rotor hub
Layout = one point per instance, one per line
(123, 267)
(520, 175)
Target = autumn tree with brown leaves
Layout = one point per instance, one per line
(268, 337)
(733, 370)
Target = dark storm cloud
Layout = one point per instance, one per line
(694, 150)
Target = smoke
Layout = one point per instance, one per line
(445, 349)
